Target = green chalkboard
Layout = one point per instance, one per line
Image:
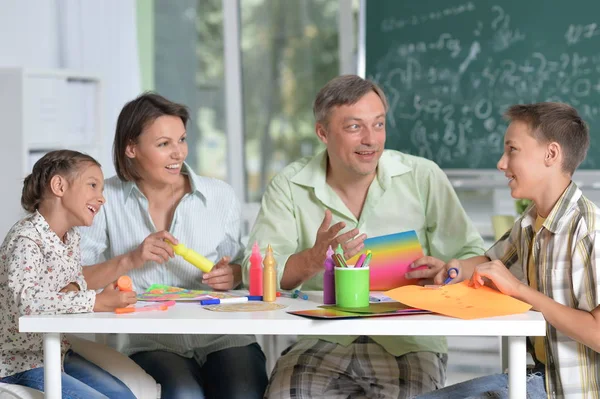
(451, 68)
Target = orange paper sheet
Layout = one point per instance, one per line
(459, 300)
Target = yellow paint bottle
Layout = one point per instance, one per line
(193, 257)
(269, 276)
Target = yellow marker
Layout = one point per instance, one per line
(193, 257)
(269, 277)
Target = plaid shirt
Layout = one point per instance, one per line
(564, 251)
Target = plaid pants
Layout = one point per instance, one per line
(313, 368)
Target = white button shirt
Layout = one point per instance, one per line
(207, 220)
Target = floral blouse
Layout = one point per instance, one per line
(34, 266)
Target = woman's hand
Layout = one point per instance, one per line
(154, 248)
(221, 276)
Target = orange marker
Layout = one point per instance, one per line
(124, 283)
(147, 308)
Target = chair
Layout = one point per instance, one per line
(501, 224)
(141, 384)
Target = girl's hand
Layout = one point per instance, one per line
(221, 275)
(499, 275)
(153, 248)
(71, 287)
(111, 298)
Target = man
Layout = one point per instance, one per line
(364, 191)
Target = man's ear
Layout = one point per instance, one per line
(130, 150)
(553, 154)
(58, 185)
(321, 132)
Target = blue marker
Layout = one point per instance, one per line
(254, 297)
(301, 294)
(450, 278)
(242, 299)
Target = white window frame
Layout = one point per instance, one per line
(236, 174)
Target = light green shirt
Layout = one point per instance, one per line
(409, 193)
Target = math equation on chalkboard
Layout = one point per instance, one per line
(451, 69)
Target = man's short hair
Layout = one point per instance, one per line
(555, 122)
(343, 90)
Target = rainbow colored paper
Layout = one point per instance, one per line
(324, 313)
(391, 256)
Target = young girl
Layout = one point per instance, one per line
(40, 273)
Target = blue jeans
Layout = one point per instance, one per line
(232, 373)
(491, 386)
(80, 380)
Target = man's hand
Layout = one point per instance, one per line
(352, 243)
(430, 270)
(303, 265)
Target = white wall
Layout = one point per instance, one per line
(28, 33)
(91, 37)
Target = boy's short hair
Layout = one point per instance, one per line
(555, 122)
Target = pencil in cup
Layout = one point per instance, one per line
(339, 260)
(367, 259)
(360, 261)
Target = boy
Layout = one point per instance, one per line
(547, 259)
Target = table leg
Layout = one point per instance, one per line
(517, 366)
(503, 354)
(52, 366)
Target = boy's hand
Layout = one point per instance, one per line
(499, 275)
(221, 275)
(111, 298)
(70, 287)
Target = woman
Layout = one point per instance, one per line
(156, 197)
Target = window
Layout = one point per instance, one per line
(289, 50)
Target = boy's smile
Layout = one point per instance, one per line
(523, 161)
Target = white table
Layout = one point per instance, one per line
(190, 318)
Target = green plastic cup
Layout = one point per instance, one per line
(352, 287)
